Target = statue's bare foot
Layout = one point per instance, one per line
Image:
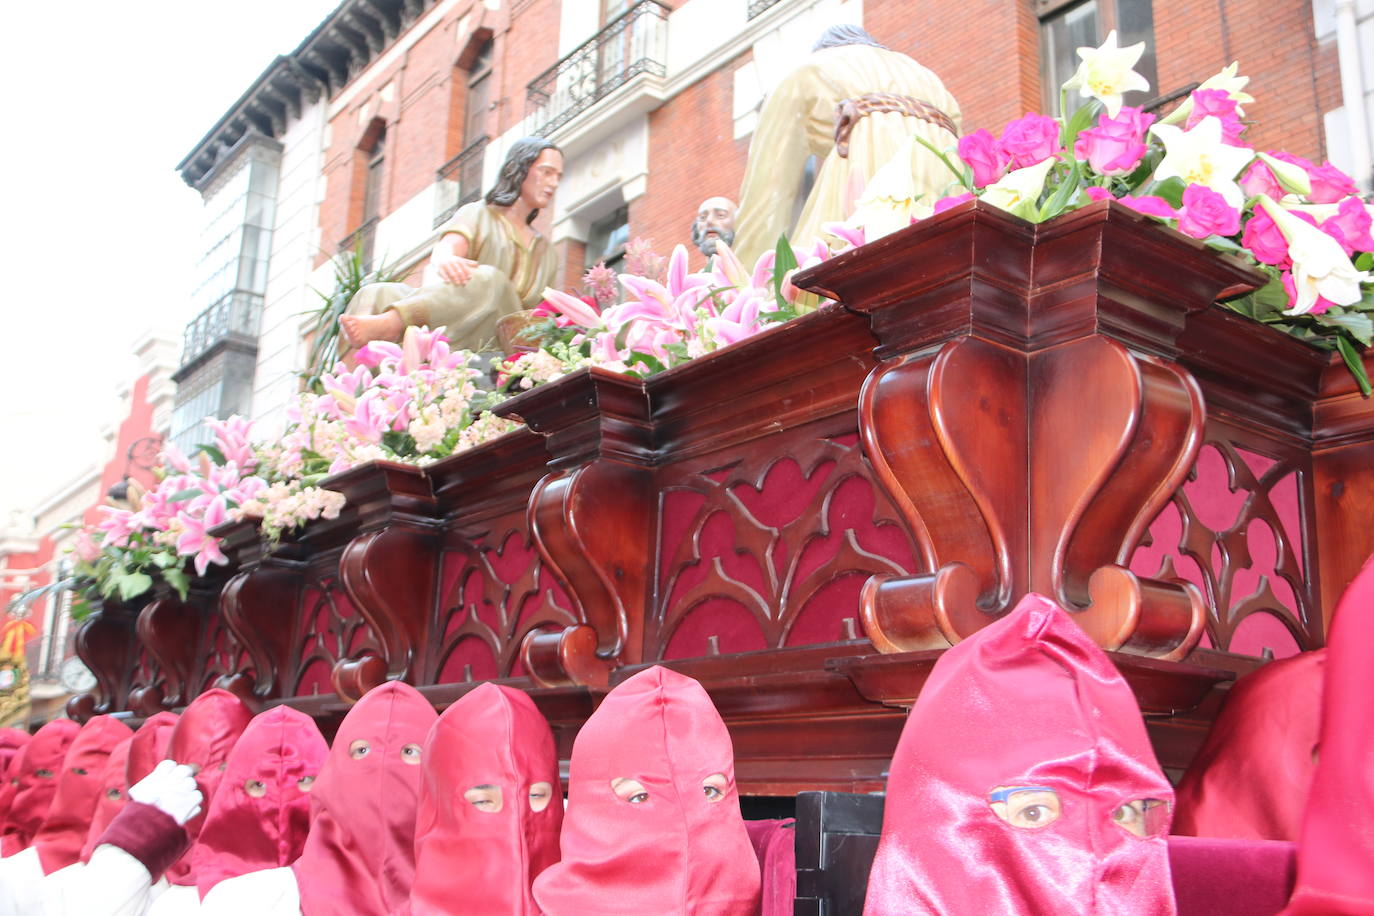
(360, 330)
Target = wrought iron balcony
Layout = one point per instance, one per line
(237, 314)
(758, 6)
(361, 240)
(460, 181)
(633, 43)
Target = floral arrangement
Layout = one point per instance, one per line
(1303, 224)
(666, 320)
(415, 402)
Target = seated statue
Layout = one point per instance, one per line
(851, 104)
(489, 262)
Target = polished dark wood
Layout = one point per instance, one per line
(804, 521)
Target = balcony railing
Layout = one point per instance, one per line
(238, 313)
(460, 181)
(758, 6)
(361, 240)
(634, 43)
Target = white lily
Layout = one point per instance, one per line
(1292, 178)
(1105, 73)
(1227, 79)
(1320, 267)
(1198, 156)
(891, 200)
(1018, 191)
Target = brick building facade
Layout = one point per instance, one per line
(393, 111)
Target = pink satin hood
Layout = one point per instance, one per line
(1024, 718)
(260, 815)
(359, 859)
(674, 850)
(63, 833)
(12, 741)
(477, 861)
(203, 737)
(1336, 842)
(1251, 778)
(129, 762)
(36, 769)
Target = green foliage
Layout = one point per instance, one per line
(349, 276)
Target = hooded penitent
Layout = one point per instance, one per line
(490, 808)
(36, 770)
(359, 859)
(203, 737)
(63, 833)
(653, 823)
(128, 763)
(1336, 843)
(1024, 783)
(1251, 778)
(12, 741)
(260, 814)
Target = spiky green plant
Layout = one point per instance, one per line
(350, 275)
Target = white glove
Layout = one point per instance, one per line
(171, 789)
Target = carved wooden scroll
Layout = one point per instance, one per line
(592, 524)
(107, 644)
(1023, 425)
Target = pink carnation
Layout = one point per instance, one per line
(1329, 184)
(1030, 140)
(1205, 212)
(983, 155)
(1217, 103)
(1291, 289)
(1150, 206)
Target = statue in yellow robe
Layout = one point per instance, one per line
(873, 98)
(489, 262)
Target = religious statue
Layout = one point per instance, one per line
(851, 104)
(715, 221)
(489, 262)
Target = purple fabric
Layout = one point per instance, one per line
(148, 835)
(774, 844)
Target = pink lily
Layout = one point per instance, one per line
(580, 312)
(369, 420)
(375, 352)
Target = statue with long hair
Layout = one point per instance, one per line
(851, 104)
(488, 263)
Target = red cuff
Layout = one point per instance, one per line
(147, 834)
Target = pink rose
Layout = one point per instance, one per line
(1116, 145)
(1291, 289)
(945, 203)
(1329, 184)
(1259, 179)
(1030, 140)
(980, 150)
(1265, 241)
(1205, 212)
(1216, 103)
(1150, 206)
(86, 548)
(1096, 193)
(1350, 226)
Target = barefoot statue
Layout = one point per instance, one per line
(489, 262)
(851, 104)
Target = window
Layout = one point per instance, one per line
(1066, 25)
(607, 240)
(478, 97)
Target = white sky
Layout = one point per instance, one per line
(98, 234)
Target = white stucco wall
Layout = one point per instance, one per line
(295, 241)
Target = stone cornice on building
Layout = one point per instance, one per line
(343, 46)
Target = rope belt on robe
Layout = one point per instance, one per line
(849, 111)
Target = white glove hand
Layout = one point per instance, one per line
(171, 789)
